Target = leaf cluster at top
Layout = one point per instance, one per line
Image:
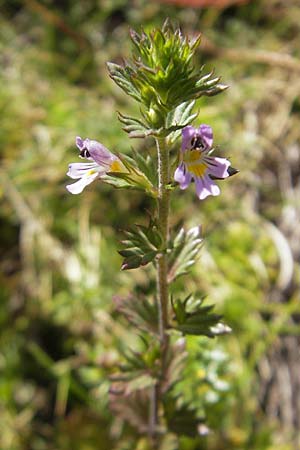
(161, 74)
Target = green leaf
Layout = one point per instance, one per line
(191, 317)
(144, 361)
(179, 309)
(181, 418)
(116, 181)
(183, 252)
(147, 165)
(123, 76)
(212, 91)
(142, 246)
(179, 118)
(135, 127)
(131, 178)
(140, 312)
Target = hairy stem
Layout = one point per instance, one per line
(162, 265)
(163, 224)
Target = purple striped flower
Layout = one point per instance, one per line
(102, 162)
(197, 164)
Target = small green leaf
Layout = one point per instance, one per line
(131, 262)
(131, 178)
(184, 252)
(139, 312)
(181, 418)
(193, 318)
(148, 165)
(123, 76)
(116, 181)
(179, 118)
(143, 244)
(145, 361)
(135, 127)
(179, 310)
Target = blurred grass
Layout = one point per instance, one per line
(59, 266)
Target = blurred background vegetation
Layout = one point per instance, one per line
(60, 334)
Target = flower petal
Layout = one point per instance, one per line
(187, 134)
(77, 188)
(182, 176)
(100, 154)
(218, 167)
(79, 143)
(205, 187)
(78, 170)
(206, 134)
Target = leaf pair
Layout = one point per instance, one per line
(176, 119)
(144, 244)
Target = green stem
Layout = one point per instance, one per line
(162, 276)
(163, 224)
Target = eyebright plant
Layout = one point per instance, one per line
(161, 77)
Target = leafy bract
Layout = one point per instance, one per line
(142, 313)
(183, 252)
(142, 245)
(181, 418)
(161, 77)
(191, 317)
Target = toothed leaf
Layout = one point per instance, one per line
(142, 246)
(191, 317)
(184, 252)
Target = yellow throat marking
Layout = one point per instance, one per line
(194, 163)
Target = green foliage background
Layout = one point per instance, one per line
(60, 335)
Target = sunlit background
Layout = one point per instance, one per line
(60, 335)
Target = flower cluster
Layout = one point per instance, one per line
(103, 162)
(197, 164)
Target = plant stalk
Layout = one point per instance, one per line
(163, 224)
(162, 274)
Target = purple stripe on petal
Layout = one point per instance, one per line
(206, 134)
(218, 166)
(78, 170)
(205, 187)
(182, 176)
